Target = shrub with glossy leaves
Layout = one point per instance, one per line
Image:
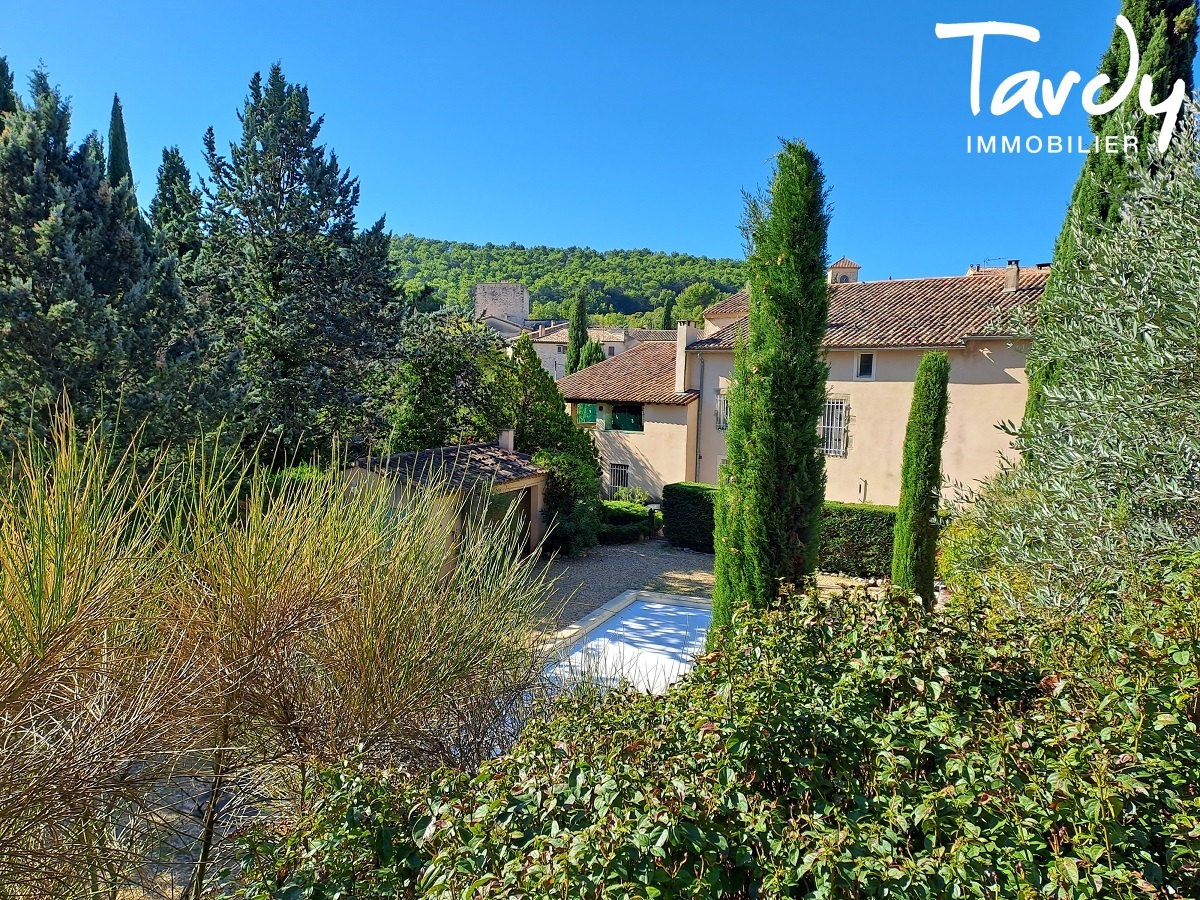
(831, 747)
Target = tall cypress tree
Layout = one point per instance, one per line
(592, 353)
(1166, 38)
(668, 314)
(8, 98)
(773, 487)
(118, 146)
(577, 333)
(88, 309)
(914, 546)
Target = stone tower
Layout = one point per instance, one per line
(844, 271)
(507, 300)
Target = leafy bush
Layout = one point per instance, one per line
(838, 747)
(856, 539)
(632, 495)
(571, 505)
(688, 514)
(624, 523)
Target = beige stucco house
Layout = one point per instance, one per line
(877, 334)
(493, 475)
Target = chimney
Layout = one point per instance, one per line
(1012, 276)
(507, 438)
(684, 335)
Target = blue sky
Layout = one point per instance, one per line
(614, 125)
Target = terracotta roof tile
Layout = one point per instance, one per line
(559, 335)
(653, 334)
(736, 305)
(643, 374)
(912, 312)
(845, 263)
(463, 466)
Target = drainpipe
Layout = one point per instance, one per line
(700, 416)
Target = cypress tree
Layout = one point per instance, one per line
(773, 487)
(88, 309)
(591, 354)
(8, 97)
(577, 333)
(668, 314)
(914, 545)
(1166, 38)
(118, 146)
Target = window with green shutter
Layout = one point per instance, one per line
(627, 417)
(585, 413)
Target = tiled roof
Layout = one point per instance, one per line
(644, 374)
(460, 467)
(912, 312)
(602, 335)
(737, 305)
(653, 334)
(845, 263)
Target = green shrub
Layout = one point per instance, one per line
(833, 746)
(623, 523)
(571, 505)
(856, 539)
(632, 495)
(688, 512)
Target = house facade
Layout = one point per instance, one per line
(550, 343)
(878, 331)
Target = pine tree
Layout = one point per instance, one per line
(307, 305)
(914, 547)
(668, 314)
(88, 309)
(773, 487)
(118, 146)
(577, 332)
(175, 209)
(1166, 37)
(592, 353)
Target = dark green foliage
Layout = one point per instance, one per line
(451, 384)
(914, 552)
(619, 281)
(768, 514)
(8, 97)
(833, 746)
(668, 314)
(1166, 36)
(622, 522)
(696, 298)
(175, 211)
(307, 304)
(577, 333)
(689, 509)
(571, 504)
(119, 168)
(89, 310)
(592, 353)
(856, 539)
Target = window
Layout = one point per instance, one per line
(834, 438)
(627, 417)
(562, 348)
(618, 475)
(864, 367)
(722, 412)
(585, 413)
(611, 350)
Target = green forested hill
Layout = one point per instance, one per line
(620, 281)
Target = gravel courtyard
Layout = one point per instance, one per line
(589, 581)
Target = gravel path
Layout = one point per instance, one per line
(589, 581)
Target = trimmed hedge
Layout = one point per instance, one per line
(856, 539)
(688, 514)
(623, 522)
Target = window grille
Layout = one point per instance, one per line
(722, 412)
(834, 437)
(618, 475)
